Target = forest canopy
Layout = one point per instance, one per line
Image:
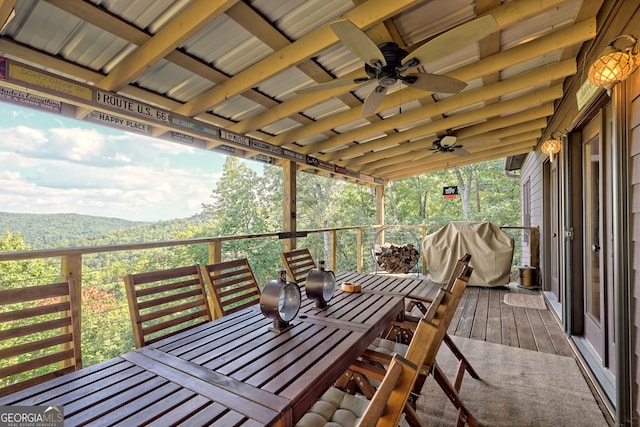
(243, 202)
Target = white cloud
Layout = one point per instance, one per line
(86, 170)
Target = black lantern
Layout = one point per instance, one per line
(320, 285)
(280, 301)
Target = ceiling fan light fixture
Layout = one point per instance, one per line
(615, 63)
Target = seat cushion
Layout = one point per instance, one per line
(389, 347)
(334, 409)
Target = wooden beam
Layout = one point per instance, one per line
(467, 160)
(625, 20)
(516, 104)
(492, 125)
(99, 17)
(434, 158)
(255, 23)
(191, 20)
(374, 165)
(505, 131)
(560, 39)
(307, 46)
(471, 97)
(7, 11)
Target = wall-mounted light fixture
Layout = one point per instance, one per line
(280, 300)
(320, 285)
(552, 145)
(616, 62)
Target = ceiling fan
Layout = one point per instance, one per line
(386, 64)
(447, 144)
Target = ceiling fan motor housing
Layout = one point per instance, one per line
(388, 75)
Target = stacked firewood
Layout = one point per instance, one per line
(396, 259)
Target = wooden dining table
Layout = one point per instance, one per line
(232, 371)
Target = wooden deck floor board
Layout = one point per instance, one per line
(525, 334)
(479, 327)
(467, 317)
(509, 331)
(539, 330)
(494, 319)
(559, 339)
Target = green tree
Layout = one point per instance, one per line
(15, 274)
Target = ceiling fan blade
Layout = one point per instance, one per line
(434, 83)
(474, 141)
(356, 40)
(454, 39)
(332, 84)
(460, 152)
(374, 100)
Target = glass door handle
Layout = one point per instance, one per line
(595, 248)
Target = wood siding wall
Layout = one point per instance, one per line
(532, 170)
(634, 203)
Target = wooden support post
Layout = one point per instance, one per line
(332, 250)
(215, 252)
(71, 268)
(360, 250)
(380, 210)
(423, 234)
(215, 256)
(289, 223)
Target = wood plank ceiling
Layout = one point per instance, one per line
(237, 65)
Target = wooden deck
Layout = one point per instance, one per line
(483, 315)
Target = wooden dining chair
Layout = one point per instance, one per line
(298, 264)
(231, 286)
(385, 406)
(401, 332)
(39, 334)
(165, 302)
(440, 311)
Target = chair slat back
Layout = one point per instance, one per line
(231, 285)
(39, 334)
(439, 315)
(298, 264)
(458, 269)
(385, 402)
(165, 302)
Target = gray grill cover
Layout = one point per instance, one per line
(491, 251)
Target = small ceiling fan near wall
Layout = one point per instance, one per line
(447, 144)
(386, 63)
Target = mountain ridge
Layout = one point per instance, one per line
(68, 229)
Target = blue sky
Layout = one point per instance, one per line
(52, 164)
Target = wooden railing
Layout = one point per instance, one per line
(343, 248)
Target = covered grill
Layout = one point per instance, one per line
(490, 247)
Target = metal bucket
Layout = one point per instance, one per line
(528, 276)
